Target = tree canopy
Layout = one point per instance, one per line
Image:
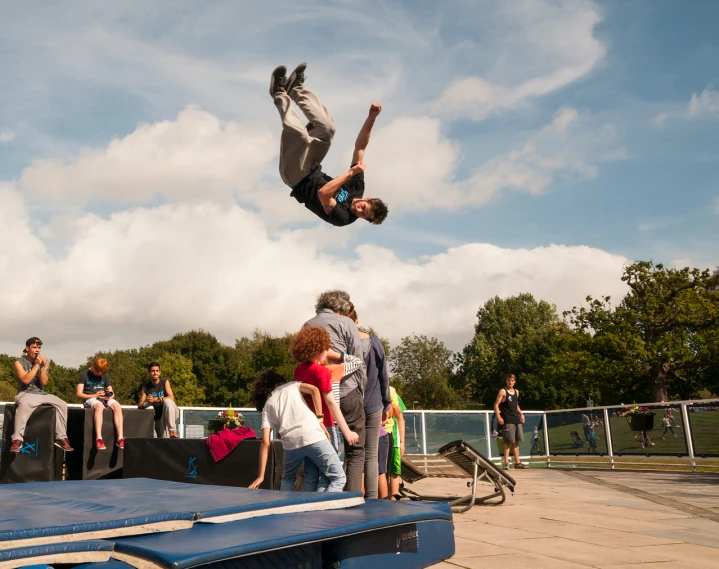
(659, 342)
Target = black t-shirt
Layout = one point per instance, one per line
(307, 192)
(156, 391)
(93, 383)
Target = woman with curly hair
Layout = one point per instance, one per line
(304, 438)
(309, 347)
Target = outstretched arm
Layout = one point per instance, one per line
(363, 136)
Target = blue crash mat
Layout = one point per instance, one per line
(73, 508)
(73, 552)
(109, 564)
(206, 543)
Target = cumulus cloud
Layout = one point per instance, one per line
(146, 273)
(705, 104)
(547, 46)
(195, 155)
(413, 163)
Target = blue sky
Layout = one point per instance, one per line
(526, 145)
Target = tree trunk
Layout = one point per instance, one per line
(658, 383)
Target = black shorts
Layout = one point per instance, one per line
(382, 453)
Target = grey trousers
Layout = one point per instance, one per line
(353, 412)
(168, 421)
(26, 403)
(371, 466)
(302, 149)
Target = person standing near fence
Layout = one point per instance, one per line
(510, 419)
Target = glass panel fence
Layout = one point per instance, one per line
(196, 417)
(532, 431)
(413, 432)
(577, 432)
(658, 431)
(443, 428)
(704, 423)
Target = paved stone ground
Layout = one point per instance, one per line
(578, 519)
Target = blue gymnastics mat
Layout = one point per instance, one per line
(55, 553)
(43, 512)
(408, 535)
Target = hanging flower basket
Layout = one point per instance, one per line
(643, 422)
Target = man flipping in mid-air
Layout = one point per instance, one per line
(339, 201)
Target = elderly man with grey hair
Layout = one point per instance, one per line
(344, 338)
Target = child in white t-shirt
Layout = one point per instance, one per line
(301, 431)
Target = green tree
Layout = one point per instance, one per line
(178, 369)
(127, 372)
(663, 337)
(422, 369)
(8, 382)
(518, 335)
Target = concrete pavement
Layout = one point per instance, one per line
(580, 519)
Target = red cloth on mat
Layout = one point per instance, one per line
(223, 443)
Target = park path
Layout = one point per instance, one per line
(578, 519)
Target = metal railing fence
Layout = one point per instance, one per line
(687, 432)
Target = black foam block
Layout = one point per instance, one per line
(39, 460)
(188, 460)
(88, 463)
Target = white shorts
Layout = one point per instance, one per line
(90, 403)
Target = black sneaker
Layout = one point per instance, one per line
(297, 79)
(278, 80)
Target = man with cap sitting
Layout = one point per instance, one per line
(32, 376)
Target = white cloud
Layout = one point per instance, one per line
(145, 274)
(706, 104)
(7, 136)
(546, 46)
(195, 156)
(703, 105)
(660, 120)
(412, 163)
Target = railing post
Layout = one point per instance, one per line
(688, 436)
(488, 430)
(608, 434)
(546, 438)
(181, 428)
(424, 434)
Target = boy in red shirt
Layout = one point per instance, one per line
(309, 347)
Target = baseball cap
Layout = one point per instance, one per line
(33, 340)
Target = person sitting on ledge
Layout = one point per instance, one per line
(157, 393)
(95, 389)
(32, 376)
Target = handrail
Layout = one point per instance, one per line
(611, 459)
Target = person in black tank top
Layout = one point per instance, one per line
(157, 394)
(510, 419)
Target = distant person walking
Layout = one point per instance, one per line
(667, 427)
(587, 426)
(669, 414)
(510, 419)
